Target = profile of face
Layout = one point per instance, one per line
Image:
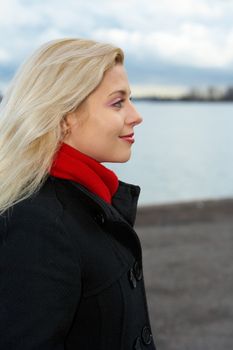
(103, 126)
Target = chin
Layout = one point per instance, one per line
(117, 157)
(122, 159)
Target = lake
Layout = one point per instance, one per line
(183, 151)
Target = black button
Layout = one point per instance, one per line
(146, 335)
(132, 279)
(137, 271)
(99, 218)
(137, 344)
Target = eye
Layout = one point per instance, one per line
(118, 103)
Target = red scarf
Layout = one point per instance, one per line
(71, 164)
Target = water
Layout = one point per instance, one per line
(183, 151)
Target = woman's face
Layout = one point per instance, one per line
(103, 126)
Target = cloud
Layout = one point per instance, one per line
(4, 56)
(188, 8)
(191, 44)
(195, 34)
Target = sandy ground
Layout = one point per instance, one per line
(188, 271)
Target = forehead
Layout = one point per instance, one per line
(114, 78)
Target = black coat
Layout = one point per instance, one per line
(71, 272)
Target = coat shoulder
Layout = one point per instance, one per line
(43, 202)
(35, 214)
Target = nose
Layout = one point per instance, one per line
(133, 116)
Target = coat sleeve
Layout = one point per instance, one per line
(40, 281)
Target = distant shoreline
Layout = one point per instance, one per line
(182, 99)
(184, 212)
(210, 94)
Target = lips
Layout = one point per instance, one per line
(128, 137)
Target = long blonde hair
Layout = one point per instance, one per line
(51, 83)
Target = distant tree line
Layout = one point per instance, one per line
(211, 94)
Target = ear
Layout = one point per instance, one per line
(66, 125)
(68, 121)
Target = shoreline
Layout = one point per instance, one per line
(184, 212)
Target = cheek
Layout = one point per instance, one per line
(108, 130)
(116, 125)
(105, 124)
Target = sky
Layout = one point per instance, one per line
(167, 43)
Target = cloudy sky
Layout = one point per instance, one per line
(167, 42)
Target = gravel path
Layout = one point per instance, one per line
(188, 270)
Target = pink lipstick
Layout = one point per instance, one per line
(129, 138)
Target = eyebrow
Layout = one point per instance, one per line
(123, 92)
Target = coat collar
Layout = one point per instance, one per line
(124, 202)
(119, 216)
(121, 213)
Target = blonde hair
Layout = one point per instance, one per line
(55, 80)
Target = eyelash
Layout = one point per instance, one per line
(120, 101)
(116, 103)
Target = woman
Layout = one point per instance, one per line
(71, 263)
